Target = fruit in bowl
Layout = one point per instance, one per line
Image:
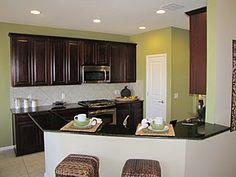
(127, 98)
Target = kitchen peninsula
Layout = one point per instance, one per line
(115, 144)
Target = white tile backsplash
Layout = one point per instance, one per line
(46, 95)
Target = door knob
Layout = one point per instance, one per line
(161, 101)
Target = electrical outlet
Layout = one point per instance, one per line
(176, 95)
(117, 92)
(63, 96)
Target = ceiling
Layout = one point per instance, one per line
(117, 16)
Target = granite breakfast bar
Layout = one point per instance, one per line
(187, 154)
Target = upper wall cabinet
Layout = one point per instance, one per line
(46, 60)
(123, 63)
(95, 53)
(65, 61)
(58, 62)
(40, 61)
(198, 54)
(73, 61)
(29, 60)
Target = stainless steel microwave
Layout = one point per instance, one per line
(96, 74)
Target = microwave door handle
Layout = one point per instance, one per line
(105, 75)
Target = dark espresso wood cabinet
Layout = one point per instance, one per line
(58, 62)
(198, 54)
(27, 137)
(65, 62)
(103, 53)
(95, 53)
(39, 61)
(30, 60)
(134, 111)
(21, 61)
(88, 53)
(73, 62)
(47, 60)
(123, 63)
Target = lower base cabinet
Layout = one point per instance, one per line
(27, 137)
(134, 111)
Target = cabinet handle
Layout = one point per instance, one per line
(125, 121)
(161, 101)
(22, 40)
(105, 75)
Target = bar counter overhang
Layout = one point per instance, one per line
(179, 156)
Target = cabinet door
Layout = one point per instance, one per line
(198, 42)
(137, 113)
(103, 53)
(88, 53)
(130, 66)
(122, 111)
(29, 138)
(117, 64)
(73, 62)
(58, 62)
(40, 61)
(21, 70)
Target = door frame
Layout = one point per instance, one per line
(147, 79)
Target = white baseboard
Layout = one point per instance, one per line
(6, 148)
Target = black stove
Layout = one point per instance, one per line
(103, 103)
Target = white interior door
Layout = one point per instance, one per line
(156, 85)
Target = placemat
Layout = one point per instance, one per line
(148, 132)
(70, 127)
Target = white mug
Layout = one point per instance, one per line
(80, 117)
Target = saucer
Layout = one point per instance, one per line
(166, 128)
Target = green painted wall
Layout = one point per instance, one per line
(175, 43)
(150, 43)
(5, 28)
(182, 107)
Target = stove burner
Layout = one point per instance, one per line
(97, 103)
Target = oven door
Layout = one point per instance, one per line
(108, 115)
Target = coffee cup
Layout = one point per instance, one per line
(80, 117)
(158, 123)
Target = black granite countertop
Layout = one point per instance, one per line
(45, 108)
(51, 107)
(50, 121)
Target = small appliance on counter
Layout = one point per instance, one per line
(58, 105)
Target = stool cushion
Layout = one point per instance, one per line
(76, 165)
(141, 168)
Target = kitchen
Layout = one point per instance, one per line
(5, 78)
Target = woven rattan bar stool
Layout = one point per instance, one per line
(141, 168)
(76, 165)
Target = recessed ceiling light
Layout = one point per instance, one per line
(96, 20)
(35, 12)
(142, 27)
(160, 11)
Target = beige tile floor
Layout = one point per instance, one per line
(24, 166)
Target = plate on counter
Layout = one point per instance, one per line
(165, 129)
